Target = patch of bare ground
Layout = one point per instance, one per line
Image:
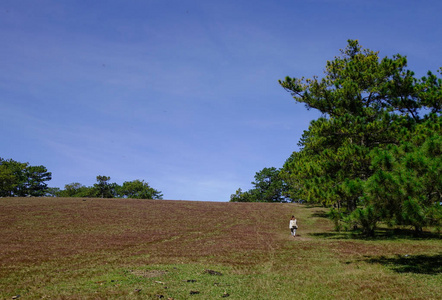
(148, 273)
(299, 238)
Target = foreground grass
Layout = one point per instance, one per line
(116, 248)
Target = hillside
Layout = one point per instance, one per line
(124, 248)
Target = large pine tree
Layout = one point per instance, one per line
(376, 145)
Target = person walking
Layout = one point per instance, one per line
(293, 226)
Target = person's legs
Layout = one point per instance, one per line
(294, 232)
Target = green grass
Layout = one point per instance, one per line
(144, 249)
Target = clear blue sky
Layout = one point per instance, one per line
(181, 94)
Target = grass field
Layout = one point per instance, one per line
(74, 248)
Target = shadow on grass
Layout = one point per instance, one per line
(333, 235)
(419, 264)
(380, 235)
(320, 214)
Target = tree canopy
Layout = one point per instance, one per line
(139, 189)
(21, 179)
(268, 187)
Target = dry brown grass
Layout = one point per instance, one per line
(35, 230)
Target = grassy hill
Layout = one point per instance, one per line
(74, 248)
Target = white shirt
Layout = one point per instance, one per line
(292, 223)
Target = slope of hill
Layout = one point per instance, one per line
(125, 248)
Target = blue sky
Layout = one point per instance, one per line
(181, 94)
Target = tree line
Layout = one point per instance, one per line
(23, 180)
(374, 155)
